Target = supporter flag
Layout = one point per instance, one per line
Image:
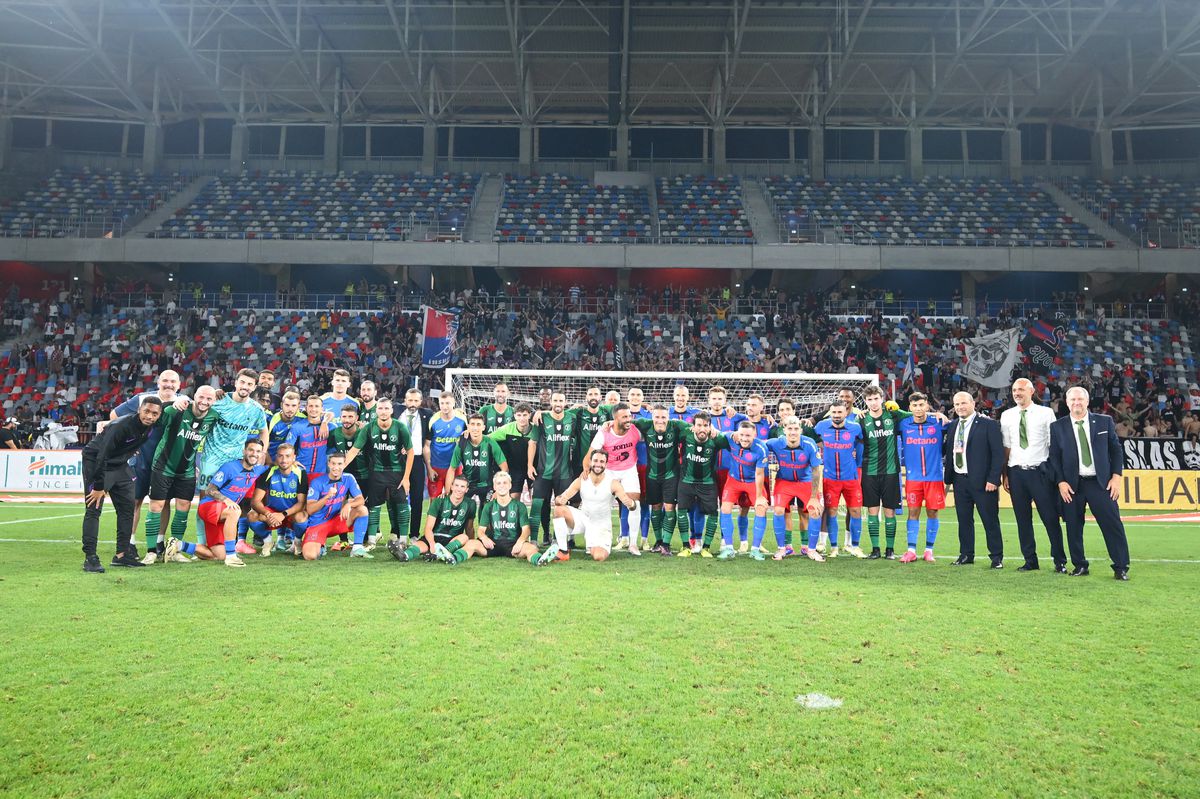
(1043, 340)
(439, 332)
(989, 360)
(910, 366)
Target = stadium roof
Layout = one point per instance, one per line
(1123, 63)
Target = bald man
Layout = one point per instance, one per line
(1027, 475)
(973, 456)
(168, 389)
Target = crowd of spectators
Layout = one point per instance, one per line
(550, 328)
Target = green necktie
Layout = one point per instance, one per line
(1085, 449)
(959, 439)
(1024, 434)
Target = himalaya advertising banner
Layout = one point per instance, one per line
(42, 471)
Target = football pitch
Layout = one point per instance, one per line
(635, 677)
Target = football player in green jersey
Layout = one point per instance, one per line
(503, 529)
(448, 524)
(701, 450)
(498, 413)
(549, 458)
(662, 437)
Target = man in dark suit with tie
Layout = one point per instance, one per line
(1087, 461)
(973, 451)
(416, 418)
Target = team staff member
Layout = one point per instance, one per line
(973, 452)
(415, 420)
(1027, 475)
(106, 472)
(1087, 461)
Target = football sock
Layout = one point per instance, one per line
(153, 525)
(187, 547)
(454, 546)
(359, 525)
(299, 529)
(931, 531)
(683, 520)
(260, 530)
(560, 532)
(833, 530)
(373, 521)
(231, 548)
(710, 529)
(656, 524)
(412, 552)
(726, 529)
(179, 525)
(760, 529)
(743, 525)
(635, 520)
(399, 514)
(343, 538)
(669, 521)
(535, 518)
(624, 514)
(645, 524)
(814, 531)
(855, 528)
(460, 555)
(889, 529)
(533, 559)
(783, 537)
(873, 529)
(914, 528)
(242, 525)
(695, 520)
(787, 527)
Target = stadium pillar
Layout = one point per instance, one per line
(968, 293)
(718, 141)
(239, 147)
(525, 148)
(429, 148)
(915, 160)
(1102, 152)
(330, 161)
(152, 148)
(6, 129)
(1011, 142)
(622, 151)
(816, 152)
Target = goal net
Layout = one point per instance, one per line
(812, 393)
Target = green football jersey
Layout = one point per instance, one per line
(450, 519)
(367, 415)
(587, 422)
(387, 450)
(479, 462)
(504, 522)
(700, 458)
(182, 434)
(341, 441)
(880, 453)
(494, 418)
(554, 439)
(662, 449)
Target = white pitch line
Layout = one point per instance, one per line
(43, 518)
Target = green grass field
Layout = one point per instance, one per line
(629, 678)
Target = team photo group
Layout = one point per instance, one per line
(537, 478)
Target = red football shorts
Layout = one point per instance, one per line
(743, 494)
(317, 533)
(835, 490)
(288, 521)
(930, 493)
(210, 515)
(787, 490)
(437, 481)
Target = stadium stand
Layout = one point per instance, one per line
(561, 208)
(85, 202)
(341, 207)
(702, 210)
(932, 211)
(1167, 210)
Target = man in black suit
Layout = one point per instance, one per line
(416, 418)
(973, 455)
(1087, 461)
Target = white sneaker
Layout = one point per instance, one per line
(266, 547)
(372, 541)
(549, 555)
(696, 547)
(856, 552)
(151, 558)
(813, 554)
(442, 553)
(359, 551)
(744, 548)
(234, 560)
(833, 552)
(633, 550)
(622, 543)
(178, 557)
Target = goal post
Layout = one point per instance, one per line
(812, 393)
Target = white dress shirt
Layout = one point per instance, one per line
(1084, 471)
(964, 424)
(1038, 419)
(414, 425)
